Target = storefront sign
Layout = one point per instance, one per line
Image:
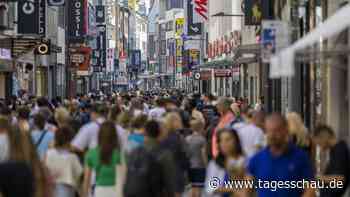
(28, 17)
(42, 17)
(223, 72)
(205, 74)
(77, 19)
(5, 54)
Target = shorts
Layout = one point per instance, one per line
(197, 177)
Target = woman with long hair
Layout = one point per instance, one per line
(104, 160)
(64, 166)
(228, 165)
(297, 130)
(22, 150)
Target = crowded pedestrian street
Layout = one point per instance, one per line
(174, 98)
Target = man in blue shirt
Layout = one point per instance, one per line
(281, 168)
(42, 139)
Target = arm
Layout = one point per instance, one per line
(205, 154)
(86, 183)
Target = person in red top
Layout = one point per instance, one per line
(226, 117)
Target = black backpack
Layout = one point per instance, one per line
(144, 174)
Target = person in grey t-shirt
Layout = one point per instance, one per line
(196, 146)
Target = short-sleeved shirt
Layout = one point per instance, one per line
(87, 135)
(105, 174)
(195, 145)
(45, 142)
(294, 165)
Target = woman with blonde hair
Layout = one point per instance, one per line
(62, 116)
(176, 144)
(297, 130)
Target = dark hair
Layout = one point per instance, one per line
(323, 129)
(152, 129)
(23, 112)
(139, 121)
(220, 159)
(114, 112)
(63, 136)
(39, 121)
(108, 141)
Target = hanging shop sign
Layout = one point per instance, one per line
(255, 11)
(100, 14)
(179, 25)
(101, 46)
(136, 59)
(200, 10)
(193, 28)
(78, 18)
(28, 17)
(223, 73)
(274, 37)
(84, 67)
(42, 17)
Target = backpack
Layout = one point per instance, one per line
(144, 174)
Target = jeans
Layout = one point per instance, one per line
(63, 190)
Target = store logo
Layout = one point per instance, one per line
(77, 18)
(56, 2)
(28, 7)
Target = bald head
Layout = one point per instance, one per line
(276, 130)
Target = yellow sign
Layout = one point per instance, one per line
(179, 26)
(133, 4)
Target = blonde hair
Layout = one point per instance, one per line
(62, 115)
(197, 125)
(172, 121)
(297, 128)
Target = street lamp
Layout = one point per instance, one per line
(222, 14)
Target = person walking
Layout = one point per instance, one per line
(197, 153)
(226, 118)
(280, 161)
(150, 166)
(105, 160)
(63, 165)
(228, 165)
(41, 137)
(338, 161)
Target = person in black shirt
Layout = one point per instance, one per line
(338, 163)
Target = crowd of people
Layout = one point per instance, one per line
(164, 144)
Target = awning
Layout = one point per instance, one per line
(282, 64)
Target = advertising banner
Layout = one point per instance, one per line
(28, 17)
(78, 12)
(101, 46)
(255, 11)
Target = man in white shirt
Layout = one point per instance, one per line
(88, 134)
(252, 137)
(157, 112)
